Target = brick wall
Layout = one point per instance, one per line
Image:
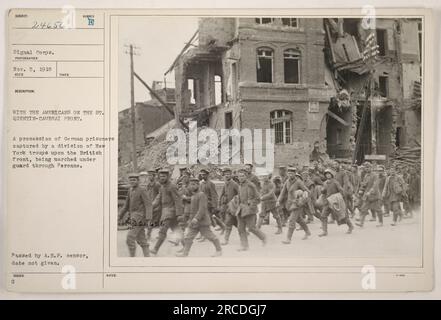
(256, 114)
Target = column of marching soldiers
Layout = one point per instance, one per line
(191, 206)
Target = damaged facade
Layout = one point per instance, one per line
(393, 111)
(306, 79)
(149, 116)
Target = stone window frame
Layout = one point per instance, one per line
(286, 138)
(299, 64)
(273, 57)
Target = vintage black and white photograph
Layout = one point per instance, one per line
(269, 137)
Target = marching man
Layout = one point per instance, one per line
(370, 195)
(268, 203)
(171, 207)
(251, 176)
(139, 206)
(246, 217)
(332, 190)
(152, 187)
(199, 220)
(207, 186)
(292, 201)
(229, 191)
(393, 191)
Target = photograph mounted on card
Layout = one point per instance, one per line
(147, 148)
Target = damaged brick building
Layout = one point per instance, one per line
(149, 116)
(305, 78)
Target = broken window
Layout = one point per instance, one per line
(281, 122)
(264, 20)
(217, 90)
(234, 75)
(382, 86)
(292, 66)
(265, 65)
(228, 120)
(381, 41)
(290, 22)
(192, 92)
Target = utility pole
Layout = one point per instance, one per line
(132, 108)
(165, 105)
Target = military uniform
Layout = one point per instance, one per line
(152, 189)
(414, 190)
(254, 180)
(343, 179)
(282, 198)
(183, 172)
(393, 190)
(246, 218)
(405, 194)
(354, 179)
(384, 200)
(370, 195)
(314, 195)
(283, 179)
(229, 191)
(208, 187)
(268, 205)
(315, 155)
(199, 222)
(331, 187)
(308, 210)
(171, 208)
(290, 200)
(139, 206)
(186, 203)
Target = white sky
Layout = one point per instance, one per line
(160, 40)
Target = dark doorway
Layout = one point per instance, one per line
(338, 132)
(228, 120)
(382, 41)
(383, 86)
(384, 130)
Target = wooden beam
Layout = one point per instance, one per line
(336, 117)
(182, 52)
(166, 106)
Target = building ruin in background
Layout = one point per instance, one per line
(306, 79)
(149, 116)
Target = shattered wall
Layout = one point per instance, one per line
(395, 72)
(409, 55)
(228, 47)
(148, 117)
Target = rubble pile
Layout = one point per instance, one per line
(409, 156)
(153, 156)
